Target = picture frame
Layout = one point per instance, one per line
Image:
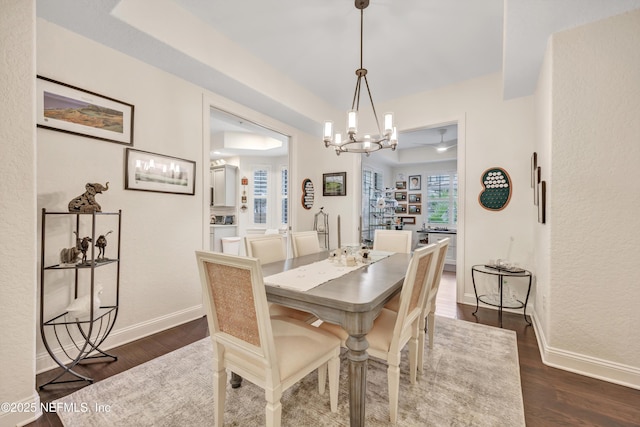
(408, 220)
(146, 171)
(401, 185)
(415, 209)
(534, 165)
(401, 209)
(537, 177)
(415, 182)
(542, 202)
(65, 108)
(400, 196)
(415, 198)
(334, 184)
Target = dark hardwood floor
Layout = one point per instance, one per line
(552, 397)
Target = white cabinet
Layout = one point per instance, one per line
(451, 250)
(224, 183)
(218, 232)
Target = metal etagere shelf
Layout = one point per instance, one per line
(79, 338)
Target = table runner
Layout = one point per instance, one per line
(311, 275)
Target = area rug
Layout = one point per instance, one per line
(471, 378)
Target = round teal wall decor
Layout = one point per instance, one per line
(496, 191)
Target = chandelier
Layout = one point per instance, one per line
(367, 143)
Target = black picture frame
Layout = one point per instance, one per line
(334, 184)
(70, 109)
(146, 171)
(415, 182)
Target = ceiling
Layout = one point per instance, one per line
(311, 48)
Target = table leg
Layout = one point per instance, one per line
(357, 355)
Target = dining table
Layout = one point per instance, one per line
(352, 300)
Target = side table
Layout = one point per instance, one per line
(498, 300)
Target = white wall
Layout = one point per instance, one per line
(18, 253)
(594, 229)
(494, 133)
(159, 284)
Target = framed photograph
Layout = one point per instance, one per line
(401, 209)
(69, 109)
(408, 219)
(334, 184)
(415, 182)
(146, 171)
(415, 198)
(415, 209)
(542, 202)
(400, 196)
(537, 177)
(401, 185)
(534, 165)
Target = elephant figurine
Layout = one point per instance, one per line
(86, 202)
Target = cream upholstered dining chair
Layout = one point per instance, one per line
(270, 248)
(428, 318)
(392, 330)
(392, 241)
(305, 243)
(272, 353)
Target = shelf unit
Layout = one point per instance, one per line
(79, 338)
(379, 217)
(321, 225)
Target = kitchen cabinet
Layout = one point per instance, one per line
(224, 181)
(218, 232)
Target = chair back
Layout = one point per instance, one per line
(392, 241)
(419, 273)
(235, 301)
(434, 284)
(267, 248)
(305, 243)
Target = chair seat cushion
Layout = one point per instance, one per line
(379, 337)
(393, 304)
(299, 344)
(276, 310)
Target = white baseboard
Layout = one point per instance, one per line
(125, 335)
(581, 364)
(26, 411)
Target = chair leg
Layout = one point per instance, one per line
(219, 394)
(421, 342)
(322, 378)
(413, 359)
(431, 324)
(334, 381)
(273, 409)
(393, 382)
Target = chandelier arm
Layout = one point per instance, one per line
(356, 96)
(375, 115)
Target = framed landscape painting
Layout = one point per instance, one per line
(69, 109)
(146, 171)
(334, 184)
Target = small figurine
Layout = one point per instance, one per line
(86, 202)
(101, 243)
(83, 246)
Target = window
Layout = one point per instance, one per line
(260, 191)
(442, 199)
(284, 194)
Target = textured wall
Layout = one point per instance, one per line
(18, 254)
(595, 192)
